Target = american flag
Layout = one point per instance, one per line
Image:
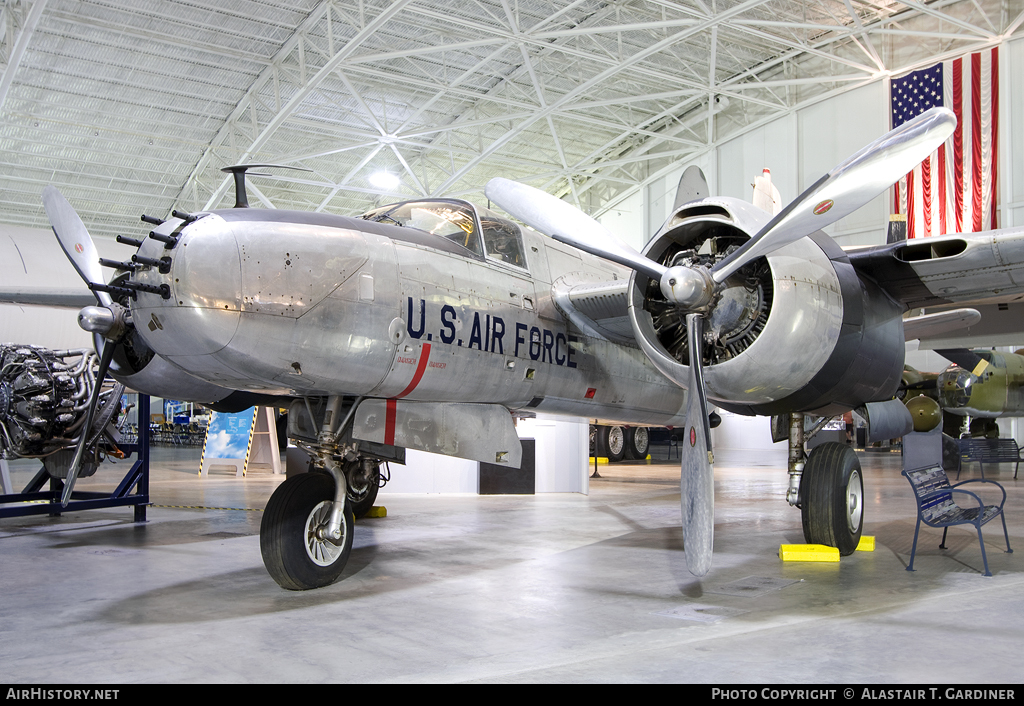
(953, 190)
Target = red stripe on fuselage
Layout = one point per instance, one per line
(389, 421)
(392, 403)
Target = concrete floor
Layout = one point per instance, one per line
(548, 588)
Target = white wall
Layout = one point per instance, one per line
(626, 221)
(739, 432)
(562, 449)
(562, 445)
(32, 259)
(1011, 134)
(744, 157)
(431, 473)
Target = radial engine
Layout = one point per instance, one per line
(44, 396)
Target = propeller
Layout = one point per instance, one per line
(966, 359)
(693, 289)
(77, 244)
(75, 240)
(696, 476)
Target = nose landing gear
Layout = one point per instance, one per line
(295, 541)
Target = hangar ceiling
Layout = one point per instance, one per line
(134, 108)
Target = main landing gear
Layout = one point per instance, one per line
(617, 442)
(828, 487)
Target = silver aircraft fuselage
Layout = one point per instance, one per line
(300, 304)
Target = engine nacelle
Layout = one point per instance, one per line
(798, 331)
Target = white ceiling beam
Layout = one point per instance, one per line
(865, 43)
(296, 100)
(270, 73)
(599, 78)
(19, 46)
(933, 12)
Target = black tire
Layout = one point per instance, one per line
(638, 443)
(611, 443)
(832, 497)
(292, 553)
(361, 502)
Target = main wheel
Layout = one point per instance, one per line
(638, 442)
(611, 443)
(295, 549)
(832, 497)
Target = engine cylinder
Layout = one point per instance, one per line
(43, 396)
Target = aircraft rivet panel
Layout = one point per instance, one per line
(286, 270)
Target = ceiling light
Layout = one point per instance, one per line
(384, 180)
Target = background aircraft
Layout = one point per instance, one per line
(423, 324)
(983, 385)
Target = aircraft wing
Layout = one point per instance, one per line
(965, 268)
(59, 297)
(931, 325)
(598, 309)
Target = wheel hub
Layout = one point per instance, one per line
(854, 501)
(322, 549)
(616, 440)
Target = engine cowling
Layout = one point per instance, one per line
(798, 331)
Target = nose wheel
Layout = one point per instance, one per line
(297, 550)
(832, 497)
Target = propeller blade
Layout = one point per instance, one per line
(74, 238)
(83, 437)
(852, 184)
(697, 475)
(567, 224)
(965, 358)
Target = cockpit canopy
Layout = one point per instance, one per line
(479, 230)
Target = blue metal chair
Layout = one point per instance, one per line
(936, 507)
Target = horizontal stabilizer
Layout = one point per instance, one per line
(965, 358)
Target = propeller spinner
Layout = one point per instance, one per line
(693, 290)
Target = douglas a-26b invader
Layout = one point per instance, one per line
(430, 324)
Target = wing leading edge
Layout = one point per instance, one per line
(59, 297)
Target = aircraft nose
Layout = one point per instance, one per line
(955, 387)
(204, 276)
